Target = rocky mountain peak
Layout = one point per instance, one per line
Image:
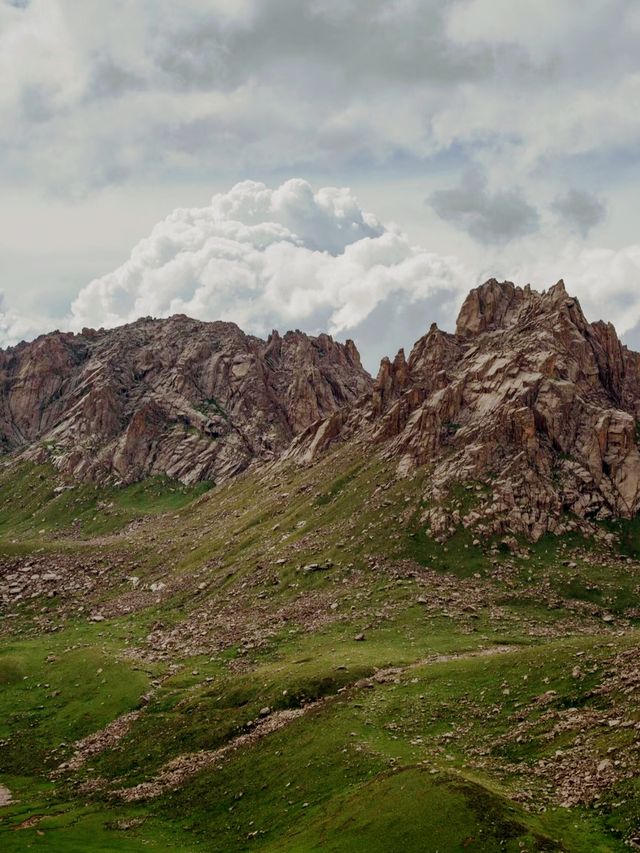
(528, 399)
(558, 290)
(487, 307)
(497, 305)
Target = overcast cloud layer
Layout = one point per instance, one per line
(502, 137)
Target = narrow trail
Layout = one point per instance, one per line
(179, 769)
(382, 675)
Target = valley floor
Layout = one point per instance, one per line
(288, 663)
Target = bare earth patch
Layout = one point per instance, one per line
(98, 742)
(176, 772)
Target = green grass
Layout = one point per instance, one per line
(420, 811)
(337, 487)
(205, 710)
(30, 506)
(420, 758)
(45, 705)
(629, 532)
(49, 824)
(346, 777)
(335, 779)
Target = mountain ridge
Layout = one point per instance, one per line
(526, 399)
(180, 397)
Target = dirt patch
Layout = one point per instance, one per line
(5, 796)
(29, 823)
(98, 742)
(176, 772)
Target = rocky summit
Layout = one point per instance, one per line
(527, 400)
(190, 400)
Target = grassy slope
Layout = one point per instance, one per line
(35, 503)
(415, 759)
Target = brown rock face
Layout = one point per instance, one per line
(179, 397)
(527, 398)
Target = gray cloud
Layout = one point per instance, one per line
(278, 85)
(155, 94)
(489, 217)
(580, 210)
(108, 79)
(293, 82)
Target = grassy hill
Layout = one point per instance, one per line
(288, 663)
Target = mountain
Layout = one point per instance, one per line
(527, 400)
(190, 400)
(406, 617)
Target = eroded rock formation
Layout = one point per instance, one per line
(179, 397)
(531, 404)
(527, 399)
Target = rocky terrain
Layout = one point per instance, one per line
(191, 400)
(529, 401)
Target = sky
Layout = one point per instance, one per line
(350, 166)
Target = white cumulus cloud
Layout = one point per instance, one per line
(279, 258)
(292, 257)
(15, 327)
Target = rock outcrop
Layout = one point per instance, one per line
(529, 401)
(179, 397)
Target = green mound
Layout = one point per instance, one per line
(36, 502)
(411, 809)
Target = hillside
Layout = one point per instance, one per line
(300, 658)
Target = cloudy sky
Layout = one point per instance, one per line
(348, 165)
